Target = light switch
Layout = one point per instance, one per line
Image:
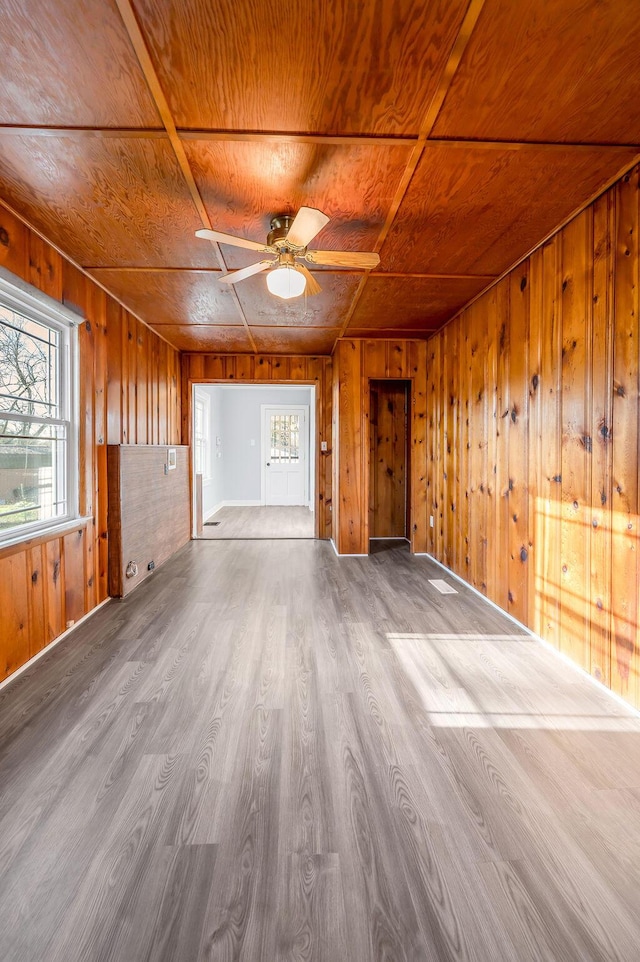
(252, 442)
(324, 446)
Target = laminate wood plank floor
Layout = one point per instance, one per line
(268, 753)
(260, 521)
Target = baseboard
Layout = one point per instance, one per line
(333, 545)
(52, 644)
(398, 538)
(564, 658)
(213, 511)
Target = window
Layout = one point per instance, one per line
(38, 454)
(201, 435)
(285, 438)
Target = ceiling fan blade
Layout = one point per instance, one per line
(366, 260)
(240, 275)
(312, 286)
(306, 224)
(220, 238)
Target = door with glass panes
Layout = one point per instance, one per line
(285, 451)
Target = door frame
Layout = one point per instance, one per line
(407, 384)
(315, 432)
(264, 446)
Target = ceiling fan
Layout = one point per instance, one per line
(288, 240)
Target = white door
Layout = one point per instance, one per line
(285, 434)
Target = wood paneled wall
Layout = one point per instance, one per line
(356, 362)
(270, 369)
(129, 393)
(533, 400)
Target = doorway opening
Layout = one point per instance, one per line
(254, 465)
(389, 451)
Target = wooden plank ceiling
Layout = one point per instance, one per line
(451, 136)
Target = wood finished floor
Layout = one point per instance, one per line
(268, 753)
(264, 521)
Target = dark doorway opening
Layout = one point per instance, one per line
(389, 459)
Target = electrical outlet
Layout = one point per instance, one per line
(151, 566)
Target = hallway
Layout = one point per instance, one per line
(270, 753)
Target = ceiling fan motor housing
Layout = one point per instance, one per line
(277, 237)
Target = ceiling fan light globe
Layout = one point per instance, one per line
(286, 282)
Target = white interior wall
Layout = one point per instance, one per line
(235, 417)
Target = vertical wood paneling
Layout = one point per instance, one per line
(601, 409)
(503, 480)
(564, 535)
(576, 440)
(54, 584)
(350, 489)
(53, 581)
(517, 425)
(624, 489)
(355, 364)
(478, 456)
(15, 613)
(36, 580)
(490, 414)
(535, 485)
(547, 510)
(420, 434)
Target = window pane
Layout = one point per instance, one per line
(29, 366)
(285, 438)
(32, 484)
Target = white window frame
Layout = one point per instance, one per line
(24, 299)
(204, 400)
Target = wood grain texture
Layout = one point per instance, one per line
(305, 313)
(559, 548)
(335, 179)
(294, 340)
(503, 86)
(453, 189)
(388, 450)
(419, 304)
(340, 764)
(355, 363)
(329, 87)
(129, 391)
(174, 298)
(92, 84)
(145, 215)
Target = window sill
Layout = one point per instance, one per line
(20, 542)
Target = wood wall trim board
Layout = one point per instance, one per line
(146, 133)
(302, 137)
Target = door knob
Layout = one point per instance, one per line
(268, 464)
